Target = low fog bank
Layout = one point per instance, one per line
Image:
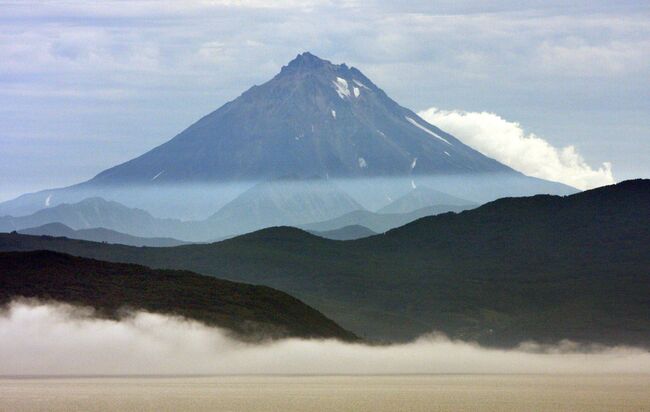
(52, 339)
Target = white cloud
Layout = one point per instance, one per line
(508, 143)
(57, 339)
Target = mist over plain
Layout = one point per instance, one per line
(54, 339)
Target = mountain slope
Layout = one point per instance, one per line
(282, 202)
(379, 222)
(541, 268)
(421, 197)
(99, 234)
(314, 118)
(249, 311)
(93, 213)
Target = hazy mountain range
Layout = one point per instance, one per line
(282, 202)
(421, 197)
(93, 213)
(380, 222)
(99, 234)
(541, 268)
(316, 204)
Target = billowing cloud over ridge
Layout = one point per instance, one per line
(528, 153)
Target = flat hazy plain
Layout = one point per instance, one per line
(330, 393)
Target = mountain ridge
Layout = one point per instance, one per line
(542, 268)
(380, 222)
(99, 234)
(92, 213)
(421, 197)
(307, 203)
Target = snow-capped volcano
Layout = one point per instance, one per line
(314, 118)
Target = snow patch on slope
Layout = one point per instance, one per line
(341, 87)
(419, 126)
(358, 83)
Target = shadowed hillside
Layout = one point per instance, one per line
(252, 312)
(540, 268)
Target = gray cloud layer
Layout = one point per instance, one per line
(58, 339)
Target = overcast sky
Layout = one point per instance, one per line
(85, 85)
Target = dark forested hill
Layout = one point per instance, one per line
(541, 268)
(252, 312)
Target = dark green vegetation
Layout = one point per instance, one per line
(541, 268)
(253, 312)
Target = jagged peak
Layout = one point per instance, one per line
(309, 61)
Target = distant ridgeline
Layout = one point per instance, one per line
(314, 121)
(264, 205)
(542, 268)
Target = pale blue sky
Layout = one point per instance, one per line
(86, 85)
